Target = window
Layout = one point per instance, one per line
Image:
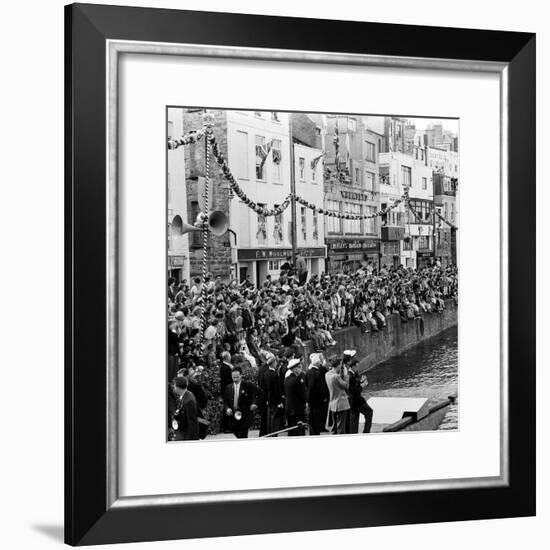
(405, 176)
(334, 224)
(423, 210)
(241, 158)
(303, 222)
(302, 167)
(261, 233)
(452, 212)
(278, 227)
(370, 151)
(276, 157)
(275, 116)
(274, 265)
(423, 242)
(384, 175)
(407, 245)
(446, 215)
(261, 155)
(424, 183)
(370, 223)
(357, 177)
(352, 226)
(389, 248)
(315, 226)
(369, 181)
(352, 125)
(314, 172)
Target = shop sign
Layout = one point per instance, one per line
(177, 261)
(278, 253)
(424, 254)
(366, 245)
(355, 196)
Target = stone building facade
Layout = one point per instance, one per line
(351, 187)
(219, 248)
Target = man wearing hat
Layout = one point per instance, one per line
(358, 403)
(295, 395)
(317, 394)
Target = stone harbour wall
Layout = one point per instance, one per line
(375, 347)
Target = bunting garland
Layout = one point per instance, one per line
(194, 136)
(186, 139)
(315, 161)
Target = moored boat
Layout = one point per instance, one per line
(402, 414)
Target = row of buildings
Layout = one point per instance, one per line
(342, 163)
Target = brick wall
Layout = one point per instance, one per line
(304, 130)
(219, 251)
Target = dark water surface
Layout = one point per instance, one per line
(430, 370)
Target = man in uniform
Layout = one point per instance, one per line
(295, 395)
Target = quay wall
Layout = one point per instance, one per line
(375, 347)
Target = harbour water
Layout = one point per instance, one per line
(430, 369)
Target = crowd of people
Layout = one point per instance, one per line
(254, 340)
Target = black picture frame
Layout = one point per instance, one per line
(92, 516)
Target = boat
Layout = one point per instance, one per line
(407, 414)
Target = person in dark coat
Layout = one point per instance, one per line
(275, 402)
(240, 402)
(173, 351)
(317, 394)
(226, 368)
(295, 396)
(268, 358)
(358, 403)
(196, 388)
(183, 414)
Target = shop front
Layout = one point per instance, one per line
(176, 266)
(347, 255)
(424, 258)
(255, 264)
(390, 254)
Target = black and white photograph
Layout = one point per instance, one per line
(312, 279)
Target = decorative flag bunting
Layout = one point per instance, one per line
(192, 137)
(316, 160)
